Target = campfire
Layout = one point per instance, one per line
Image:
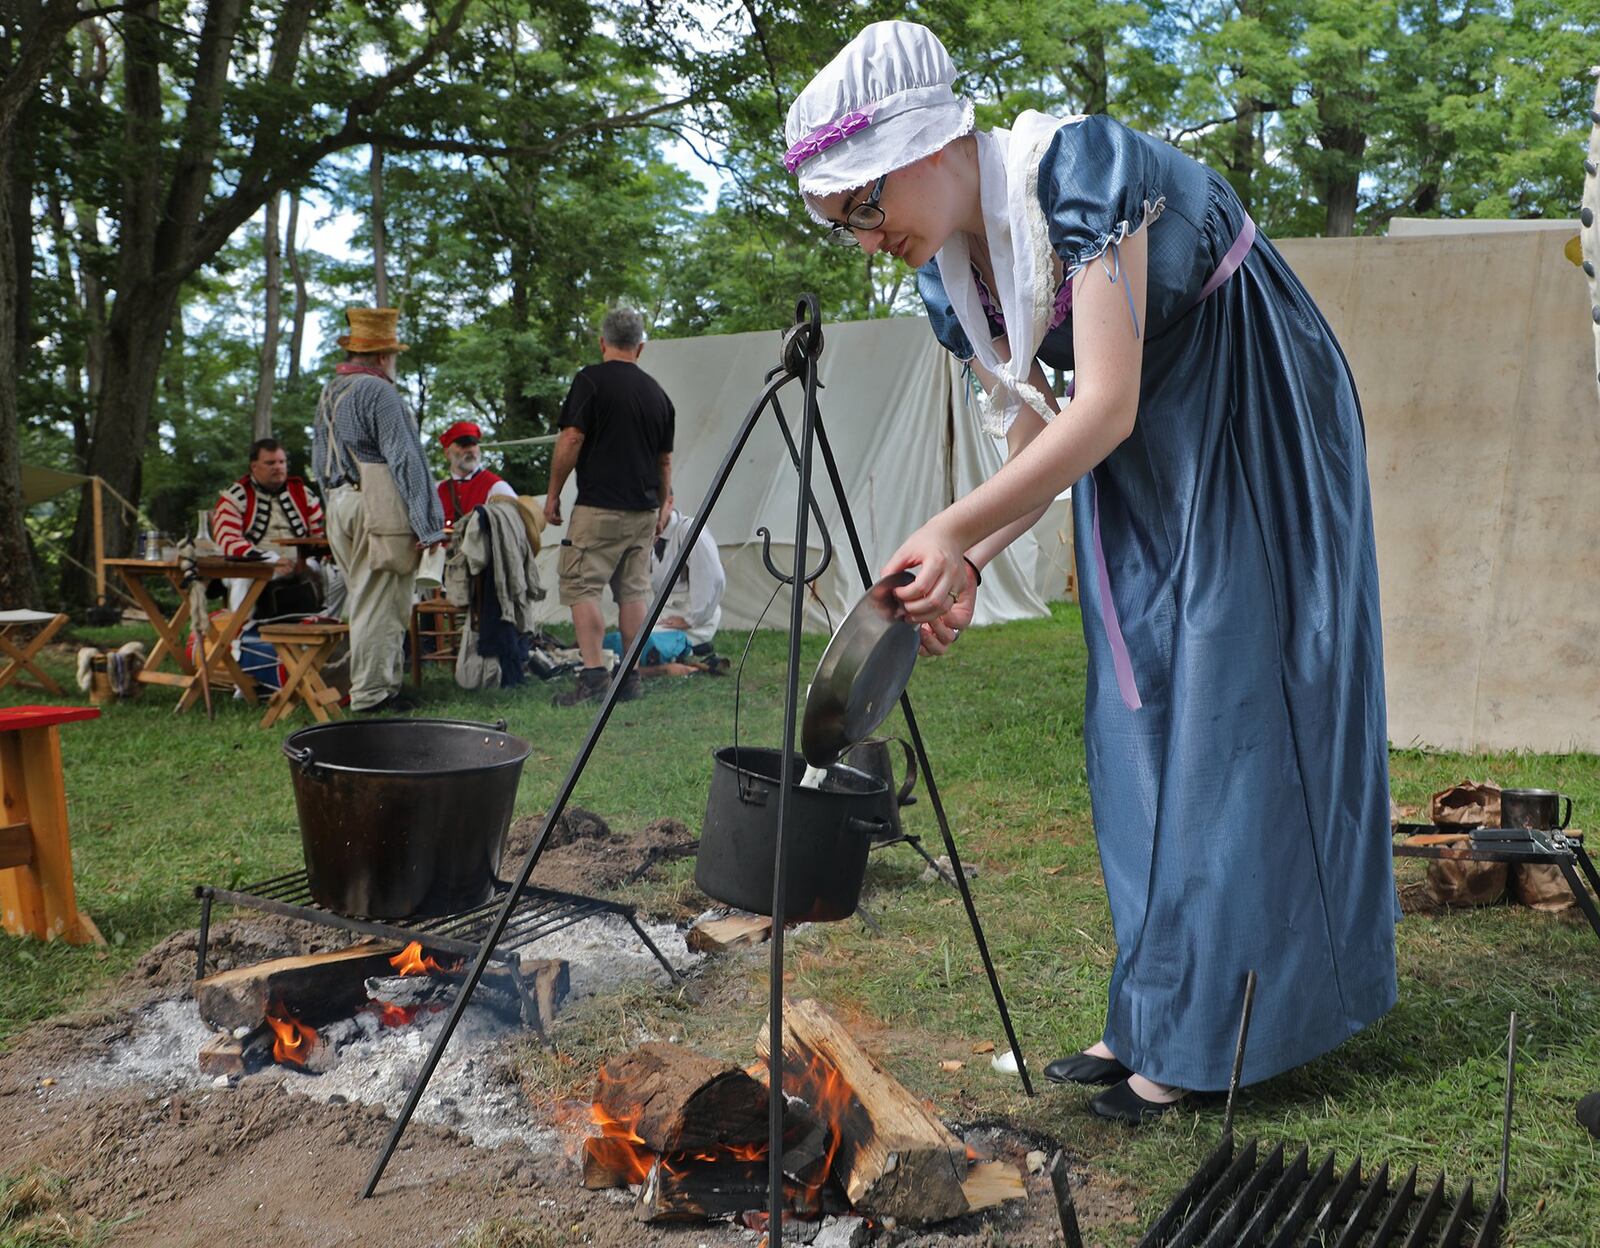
(298, 1012)
(689, 1132)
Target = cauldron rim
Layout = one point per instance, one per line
(303, 738)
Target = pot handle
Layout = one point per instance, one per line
(904, 797)
(1566, 818)
(300, 756)
(499, 725)
(875, 826)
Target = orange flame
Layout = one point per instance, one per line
(391, 1015)
(409, 961)
(292, 1040)
(620, 1146)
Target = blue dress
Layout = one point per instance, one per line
(1242, 812)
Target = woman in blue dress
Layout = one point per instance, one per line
(1234, 726)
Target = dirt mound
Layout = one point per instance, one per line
(585, 855)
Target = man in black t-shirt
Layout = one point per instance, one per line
(616, 431)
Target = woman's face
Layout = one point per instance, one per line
(922, 206)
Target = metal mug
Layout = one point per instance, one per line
(1534, 808)
(875, 757)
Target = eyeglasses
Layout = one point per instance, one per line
(864, 216)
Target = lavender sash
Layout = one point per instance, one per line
(1120, 662)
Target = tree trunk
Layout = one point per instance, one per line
(1242, 154)
(16, 568)
(380, 273)
(291, 256)
(262, 427)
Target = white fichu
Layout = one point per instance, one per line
(1589, 219)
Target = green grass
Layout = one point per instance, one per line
(160, 803)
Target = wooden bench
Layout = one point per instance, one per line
(440, 621)
(37, 897)
(303, 649)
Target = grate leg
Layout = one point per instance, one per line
(203, 944)
(649, 944)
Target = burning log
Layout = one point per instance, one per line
(697, 1190)
(316, 987)
(894, 1158)
(676, 1100)
(222, 1055)
(611, 1162)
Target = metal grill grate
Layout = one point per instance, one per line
(538, 913)
(1239, 1199)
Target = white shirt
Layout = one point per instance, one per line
(697, 596)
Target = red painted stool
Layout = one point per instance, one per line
(37, 897)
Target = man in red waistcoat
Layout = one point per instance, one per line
(469, 484)
(252, 516)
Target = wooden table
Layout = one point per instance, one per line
(303, 649)
(221, 630)
(37, 897)
(21, 653)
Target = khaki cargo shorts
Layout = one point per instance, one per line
(605, 547)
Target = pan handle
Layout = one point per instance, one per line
(875, 826)
(499, 725)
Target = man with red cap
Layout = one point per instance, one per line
(469, 484)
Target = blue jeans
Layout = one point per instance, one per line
(666, 645)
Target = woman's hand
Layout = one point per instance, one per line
(939, 635)
(941, 572)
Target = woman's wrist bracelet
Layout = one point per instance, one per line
(977, 576)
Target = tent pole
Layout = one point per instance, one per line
(99, 540)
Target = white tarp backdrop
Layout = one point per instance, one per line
(1473, 355)
(896, 416)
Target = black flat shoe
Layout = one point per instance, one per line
(1087, 1069)
(1122, 1104)
(1589, 1113)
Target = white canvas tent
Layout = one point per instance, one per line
(1474, 355)
(897, 416)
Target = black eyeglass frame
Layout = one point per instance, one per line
(864, 216)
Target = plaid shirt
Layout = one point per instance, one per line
(374, 426)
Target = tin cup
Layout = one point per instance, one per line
(1534, 808)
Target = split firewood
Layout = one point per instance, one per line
(222, 1055)
(895, 1158)
(729, 931)
(546, 982)
(315, 988)
(679, 1100)
(990, 1183)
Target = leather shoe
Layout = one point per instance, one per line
(1122, 1104)
(1087, 1069)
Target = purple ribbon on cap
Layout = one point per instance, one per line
(824, 137)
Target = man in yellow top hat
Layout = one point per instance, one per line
(382, 511)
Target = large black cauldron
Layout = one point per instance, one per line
(403, 818)
(824, 848)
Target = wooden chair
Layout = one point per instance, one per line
(303, 649)
(440, 621)
(37, 897)
(21, 652)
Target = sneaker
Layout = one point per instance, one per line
(590, 687)
(632, 687)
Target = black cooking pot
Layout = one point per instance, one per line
(403, 818)
(825, 849)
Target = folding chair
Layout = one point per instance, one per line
(21, 651)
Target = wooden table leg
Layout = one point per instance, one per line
(169, 633)
(296, 658)
(38, 899)
(323, 701)
(219, 651)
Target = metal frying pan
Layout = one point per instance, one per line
(863, 672)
